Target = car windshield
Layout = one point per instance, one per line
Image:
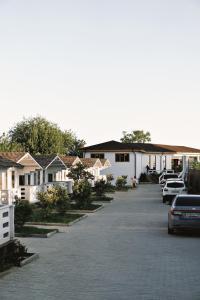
(167, 176)
(188, 201)
(175, 184)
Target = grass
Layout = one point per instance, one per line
(103, 198)
(89, 207)
(54, 217)
(29, 230)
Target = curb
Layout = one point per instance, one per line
(86, 211)
(29, 259)
(58, 224)
(38, 235)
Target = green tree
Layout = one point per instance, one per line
(82, 191)
(39, 136)
(78, 172)
(7, 145)
(23, 211)
(137, 136)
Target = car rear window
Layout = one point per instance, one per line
(175, 185)
(187, 201)
(167, 176)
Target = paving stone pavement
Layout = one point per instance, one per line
(122, 252)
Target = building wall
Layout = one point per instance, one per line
(6, 223)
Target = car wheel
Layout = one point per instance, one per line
(170, 230)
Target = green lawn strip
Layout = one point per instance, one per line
(90, 207)
(26, 230)
(54, 218)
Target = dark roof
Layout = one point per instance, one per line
(7, 163)
(140, 147)
(44, 160)
(68, 160)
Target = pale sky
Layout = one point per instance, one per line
(99, 67)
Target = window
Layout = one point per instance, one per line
(97, 155)
(5, 225)
(13, 179)
(5, 214)
(175, 185)
(21, 180)
(122, 157)
(6, 235)
(50, 177)
(29, 179)
(38, 178)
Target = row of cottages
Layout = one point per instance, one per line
(132, 159)
(24, 175)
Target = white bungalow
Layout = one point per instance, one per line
(132, 159)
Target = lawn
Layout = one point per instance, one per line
(31, 230)
(66, 218)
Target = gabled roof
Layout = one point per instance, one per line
(91, 162)
(7, 163)
(14, 156)
(69, 160)
(48, 160)
(105, 163)
(140, 147)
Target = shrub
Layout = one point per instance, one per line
(109, 177)
(46, 202)
(144, 177)
(121, 182)
(61, 199)
(100, 188)
(11, 254)
(82, 191)
(23, 211)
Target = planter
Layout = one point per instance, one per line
(29, 258)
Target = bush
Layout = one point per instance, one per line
(82, 191)
(144, 178)
(54, 198)
(109, 177)
(46, 202)
(23, 211)
(61, 200)
(121, 182)
(100, 188)
(11, 254)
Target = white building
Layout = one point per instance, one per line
(132, 159)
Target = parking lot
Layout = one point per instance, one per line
(122, 252)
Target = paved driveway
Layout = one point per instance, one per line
(120, 253)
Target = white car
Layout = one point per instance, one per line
(173, 188)
(163, 178)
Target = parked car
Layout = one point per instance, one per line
(184, 213)
(173, 188)
(163, 178)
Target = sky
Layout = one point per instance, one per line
(100, 67)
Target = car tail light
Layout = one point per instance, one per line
(165, 190)
(176, 212)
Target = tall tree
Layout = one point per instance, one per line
(39, 136)
(136, 136)
(6, 145)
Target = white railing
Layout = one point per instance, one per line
(65, 184)
(6, 223)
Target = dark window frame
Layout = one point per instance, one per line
(97, 155)
(122, 157)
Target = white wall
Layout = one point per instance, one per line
(6, 233)
(119, 168)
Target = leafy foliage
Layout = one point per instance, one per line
(82, 191)
(39, 136)
(121, 182)
(7, 145)
(54, 198)
(100, 188)
(137, 136)
(78, 172)
(23, 211)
